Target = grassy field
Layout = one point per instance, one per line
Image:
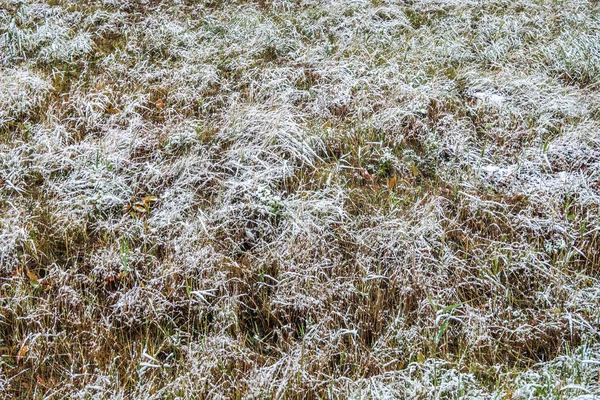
(300, 199)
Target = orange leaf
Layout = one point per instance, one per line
(392, 183)
(22, 352)
(40, 380)
(160, 103)
(32, 277)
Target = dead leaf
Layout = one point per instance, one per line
(139, 208)
(22, 352)
(160, 103)
(415, 170)
(392, 183)
(33, 279)
(31, 275)
(150, 199)
(365, 174)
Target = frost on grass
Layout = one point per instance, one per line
(299, 199)
(23, 92)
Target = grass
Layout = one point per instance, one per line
(299, 199)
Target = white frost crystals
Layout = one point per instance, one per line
(299, 199)
(22, 92)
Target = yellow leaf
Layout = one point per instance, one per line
(139, 208)
(150, 199)
(414, 169)
(31, 275)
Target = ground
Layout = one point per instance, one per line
(300, 199)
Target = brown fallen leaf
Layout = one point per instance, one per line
(365, 174)
(40, 380)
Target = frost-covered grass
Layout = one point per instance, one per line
(299, 199)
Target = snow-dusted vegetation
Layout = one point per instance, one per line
(299, 199)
